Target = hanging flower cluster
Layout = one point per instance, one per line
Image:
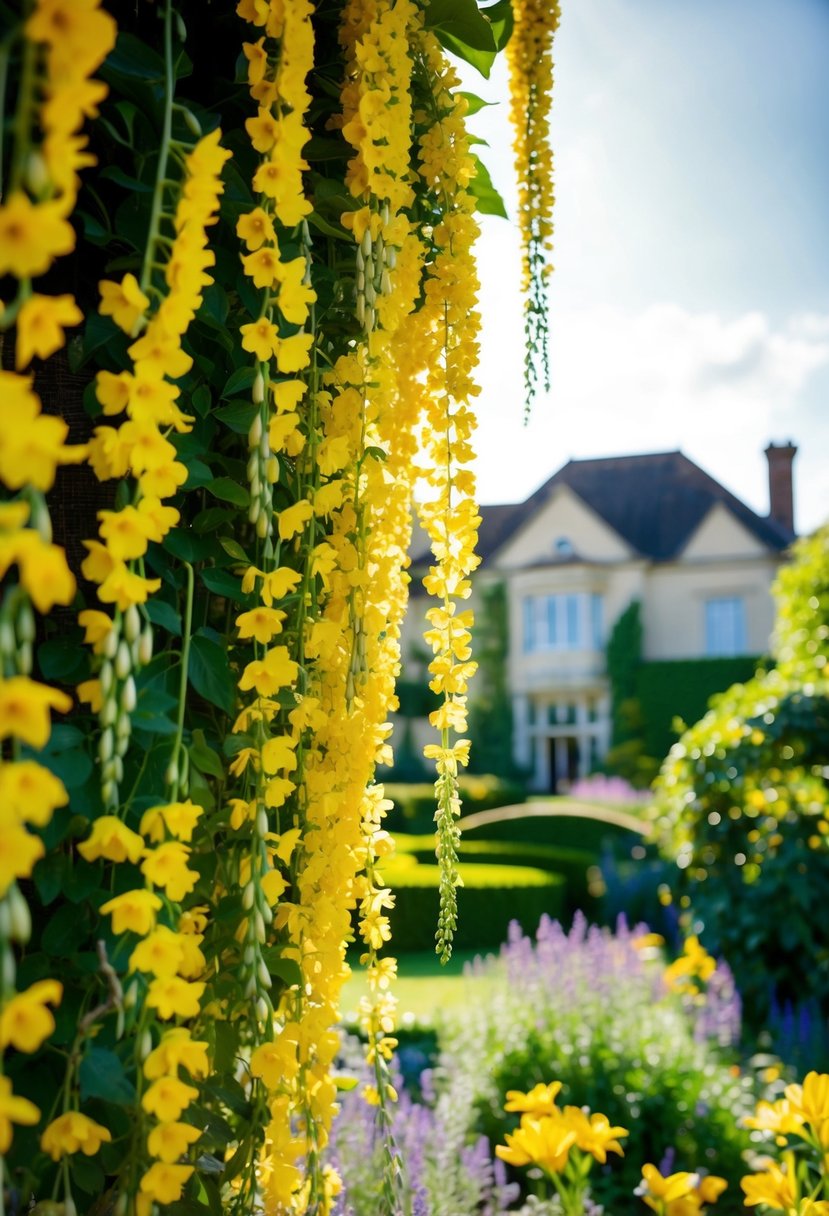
(274, 345)
(530, 60)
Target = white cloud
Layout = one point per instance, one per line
(661, 378)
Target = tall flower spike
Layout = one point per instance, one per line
(530, 60)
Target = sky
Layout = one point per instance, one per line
(690, 298)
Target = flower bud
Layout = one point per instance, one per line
(106, 676)
(272, 470)
(255, 432)
(264, 975)
(259, 926)
(26, 624)
(8, 642)
(181, 31)
(117, 769)
(109, 712)
(263, 1009)
(171, 773)
(145, 651)
(5, 920)
(365, 244)
(106, 745)
(250, 987)
(20, 916)
(37, 174)
(145, 1045)
(257, 392)
(192, 123)
(267, 914)
(9, 970)
(123, 730)
(108, 792)
(24, 657)
(262, 825)
(262, 526)
(111, 643)
(132, 623)
(391, 257)
(123, 661)
(253, 512)
(248, 896)
(131, 995)
(128, 695)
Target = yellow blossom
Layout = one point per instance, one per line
(13, 1110)
(159, 953)
(164, 1182)
(32, 235)
(540, 1100)
(25, 1020)
(263, 624)
(174, 997)
(177, 1049)
(24, 710)
(40, 325)
(97, 626)
(277, 670)
(73, 1133)
(133, 911)
(168, 1142)
(256, 229)
(125, 302)
(113, 840)
(29, 793)
(166, 867)
(177, 818)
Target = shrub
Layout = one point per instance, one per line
(491, 896)
(742, 805)
(589, 1009)
(414, 804)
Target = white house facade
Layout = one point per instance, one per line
(597, 536)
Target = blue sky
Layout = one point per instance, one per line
(690, 302)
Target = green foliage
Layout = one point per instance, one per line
(743, 805)
(587, 1010)
(414, 803)
(674, 692)
(490, 718)
(488, 899)
(624, 654)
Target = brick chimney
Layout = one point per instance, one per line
(781, 499)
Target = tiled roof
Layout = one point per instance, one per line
(655, 502)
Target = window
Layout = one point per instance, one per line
(562, 622)
(564, 547)
(725, 626)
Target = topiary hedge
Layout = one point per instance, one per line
(414, 803)
(491, 897)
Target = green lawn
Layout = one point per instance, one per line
(422, 988)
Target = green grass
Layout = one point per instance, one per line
(423, 988)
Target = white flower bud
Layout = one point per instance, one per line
(145, 652)
(145, 1045)
(123, 661)
(365, 244)
(371, 295)
(21, 917)
(106, 676)
(109, 712)
(5, 920)
(132, 623)
(190, 121)
(253, 465)
(385, 283)
(131, 995)
(257, 392)
(171, 773)
(37, 174)
(391, 257)
(262, 825)
(254, 485)
(259, 926)
(263, 1010)
(24, 657)
(106, 745)
(250, 987)
(360, 309)
(360, 260)
(255, 432)
(361, 281)
(267, 914)
(262, 526)
(111, 643)
(26, 624)
(248, 896)
(117, 769)
(264, 975)
(108, 792)
(128, 695)
(8, 642)
(253, 512)
(123, 730)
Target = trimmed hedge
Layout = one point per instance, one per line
(681, 688)
(491, 896)
(414, 804)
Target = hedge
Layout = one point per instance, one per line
(681, 688)
(491, 896)
(414, 803)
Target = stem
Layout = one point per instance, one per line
(182, 689)
(164, 148)
(23, 116)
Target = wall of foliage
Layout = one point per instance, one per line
(236, 249)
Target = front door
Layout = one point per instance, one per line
(564, 762)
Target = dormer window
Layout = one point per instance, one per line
(563, 547)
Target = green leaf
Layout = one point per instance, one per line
(211, 518)
(48, 876)
(234, 549)
(284, 968)
(102, 1075)
(461, 27)
(346, 1084)
(186, 545)
(114, 174)
(132, 57)
(164, 615)
(241, 379)
(229, 490)
(204, 758)
(488, 199)
(501, 19)
(201, 400)
(238, 415)
(475, 103)
(210, 675)
(198, 474)
(62, 659)
(222, 582)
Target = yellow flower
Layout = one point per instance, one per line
(294, 518)
(178, 818)
(710, 1187)
(97, 626)
(776, 1187)
(13, 1110)
(293, 354)
(811, 1100)
(124, 532)
(90, 693)
(275, 585)
(262, 266)
(778, 1117)
(124, 588)
(19, 851)
(261, 338)
(277, 670)
(541, 1099)
(169, 1141)
(30, 793)
(174, 997)
(260, 623)
(594, 1134)
(32, 235)
(658, 1190)
(167, 1097)
(546, 1142)
(125, 302)
(294, 295)
(134, 911)
(113, 840)
(278, 754)
(24, 710)
(31, 444)
(25, 1021)
(113, 391)
(166, 867)
(164, 1182)
(40, 325)
(177, 1049)
(255, 229)
(72, 1133)
(44, 572)
(160, 953)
